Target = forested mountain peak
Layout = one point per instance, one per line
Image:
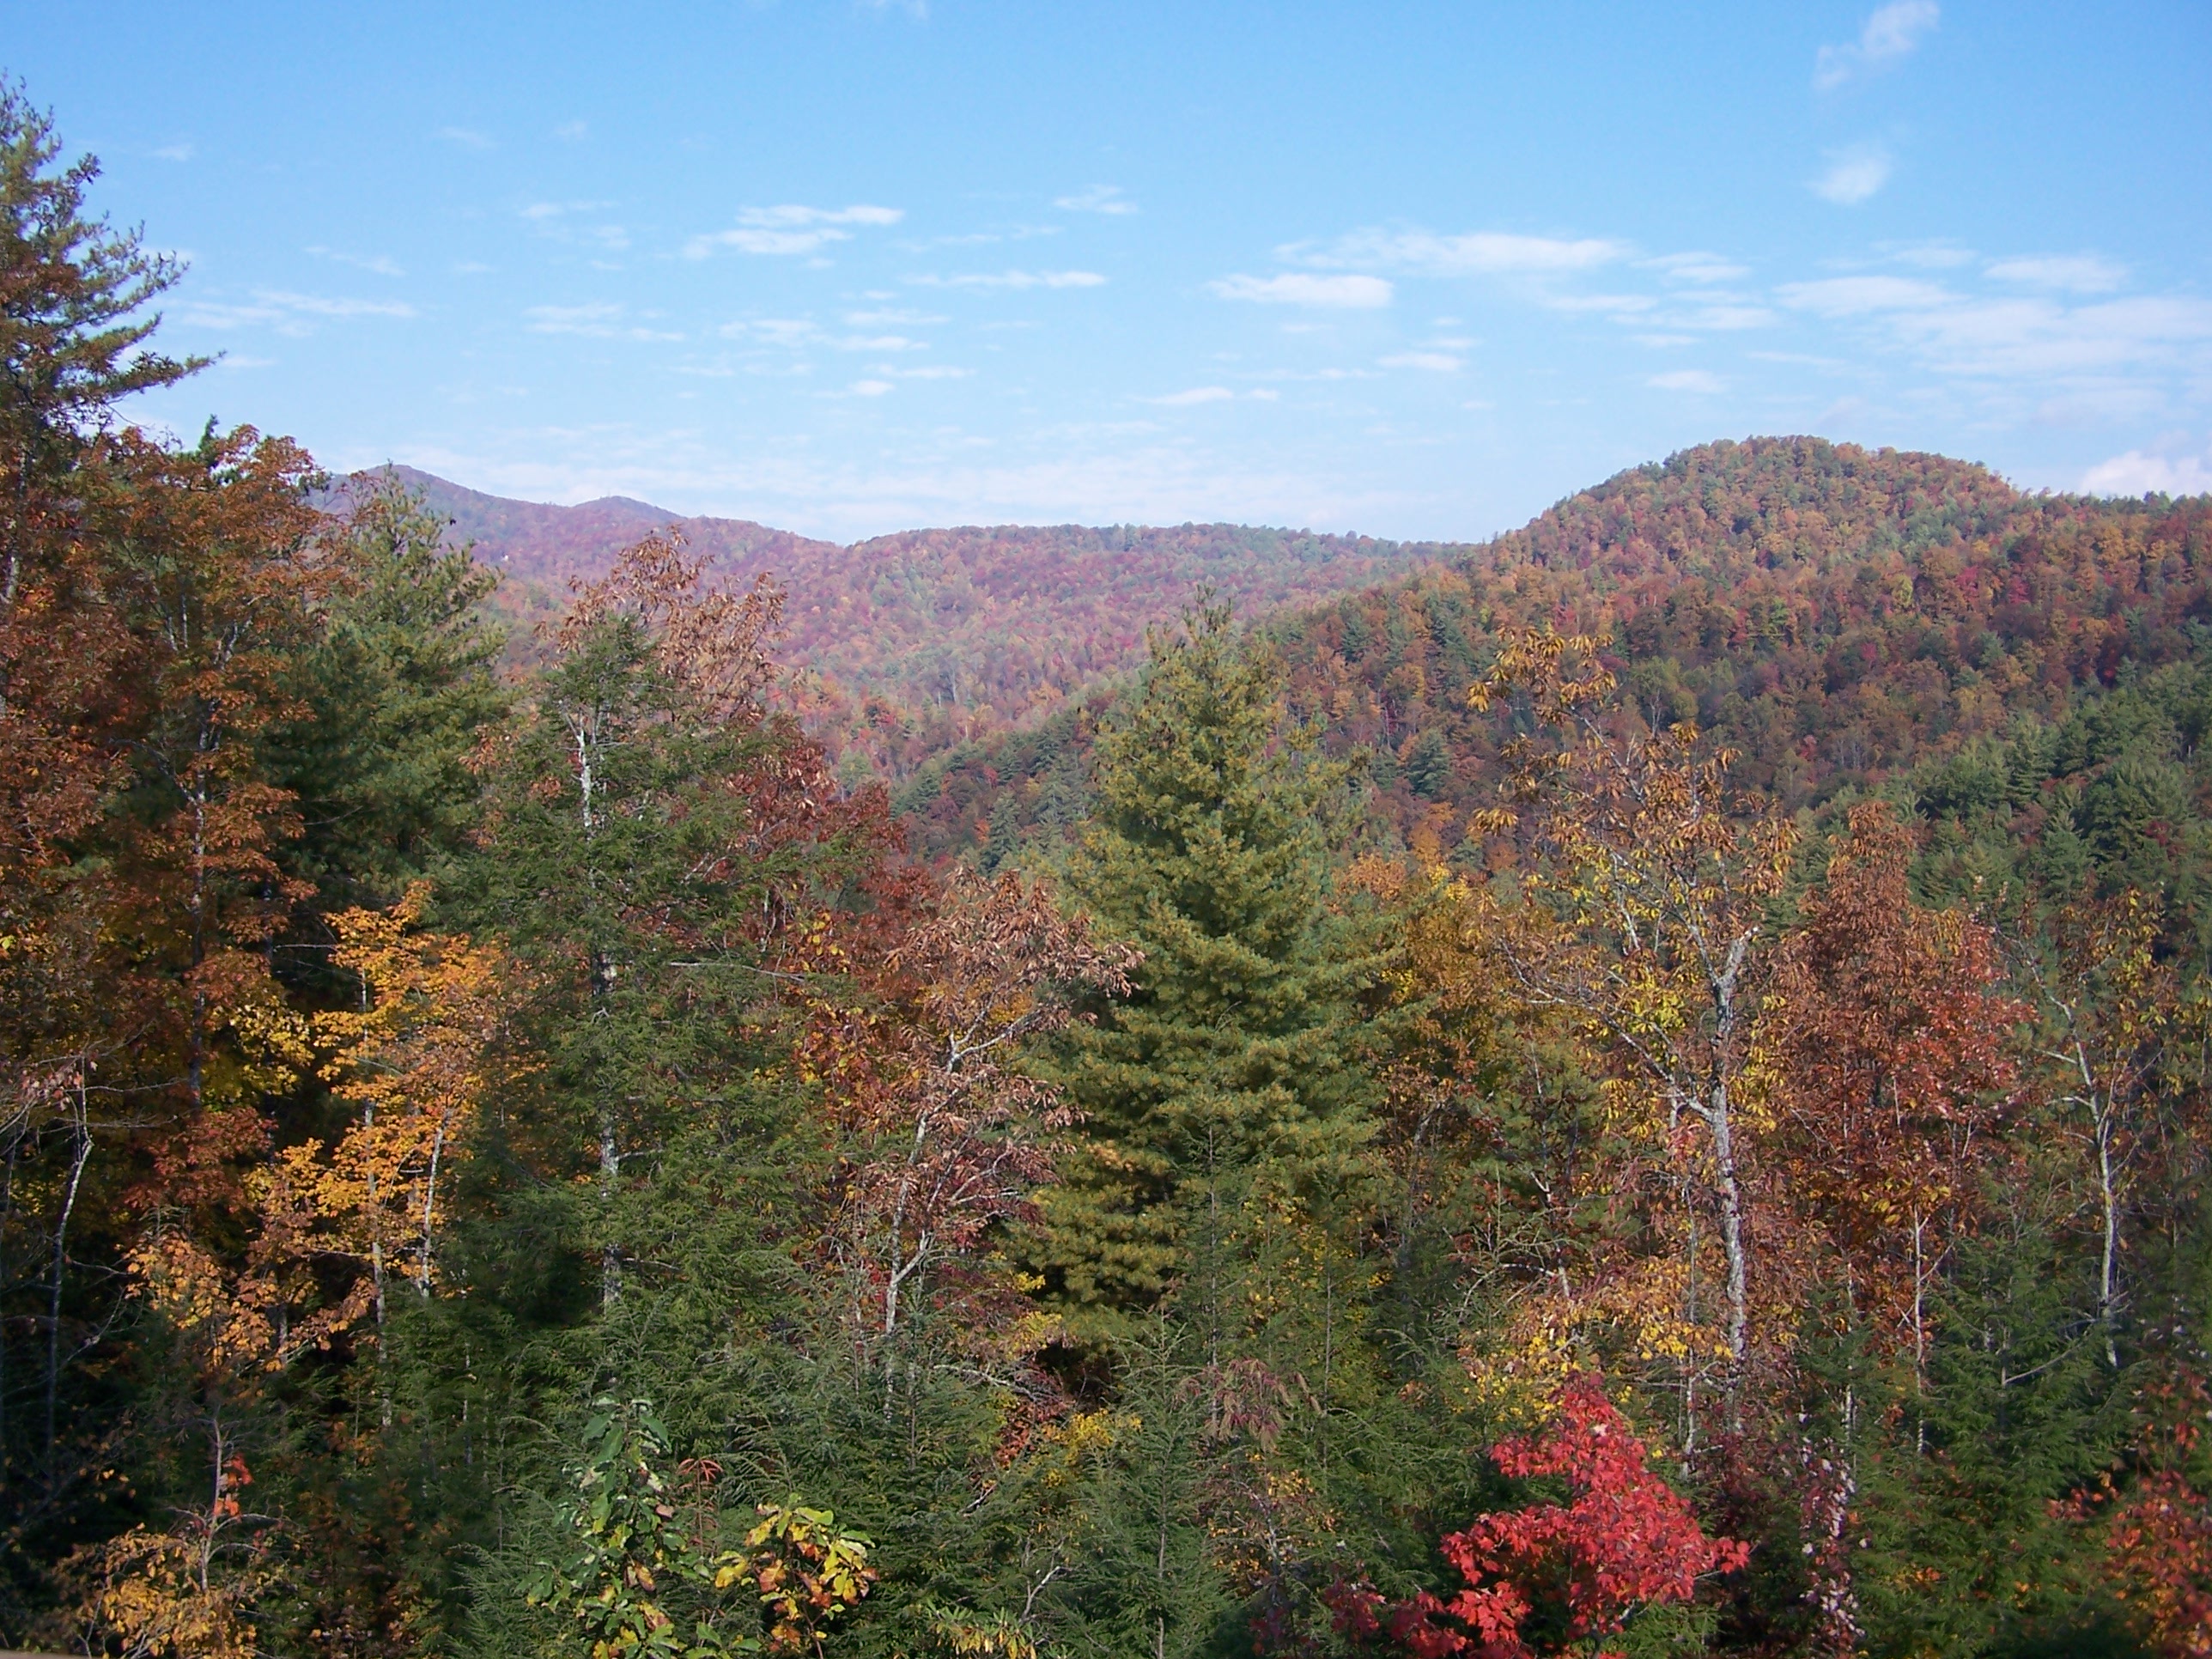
(1839, 616)
(1770, 502)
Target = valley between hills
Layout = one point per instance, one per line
(908, 644)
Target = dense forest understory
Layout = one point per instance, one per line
(1641, 1092)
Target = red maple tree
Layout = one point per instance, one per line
(2158, 1545)
(1623, 1541)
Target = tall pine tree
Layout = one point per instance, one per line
(1224, 1077)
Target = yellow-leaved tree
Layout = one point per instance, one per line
(417, 1059)
(1648, 880)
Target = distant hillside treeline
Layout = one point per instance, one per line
(922, 640)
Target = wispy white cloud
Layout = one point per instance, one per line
(1853, 296)
(2139, 472)
(603, 321)
(791, 228)
(2080, 273)
(747, 240)
(1696, 268)
(378, 263)
(573, 131)
(892, 318)
(1854, 174)
(792, 213)
(286, 312)
(2014, 337)
(597, 319)
(558, 221)
(804, 334)
(1617, 305)
(1014, 279)
(466, 138)
(224, 315)
(2036, 337)
(1301, 289)
(1197, 394)
(1435, 362)
(985, 238)
(1099, 198)
(1721, 318)
(1688, 380)
(1890, 36)
(174, 152)
(871, 388)
(789, 331)
(1481, 253)
(1928, 255)
(317, 305)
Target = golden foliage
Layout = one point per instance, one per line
(418, 1060)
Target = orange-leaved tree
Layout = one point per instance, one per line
(1890, 1039)
(945, 1136)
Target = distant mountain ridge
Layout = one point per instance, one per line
(927, 637)
(543, 542)
(1841, 616)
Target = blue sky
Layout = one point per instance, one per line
(1415, 269)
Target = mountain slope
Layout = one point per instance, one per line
(1839, 616)
(922, 639)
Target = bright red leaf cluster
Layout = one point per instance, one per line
(1624, 1540)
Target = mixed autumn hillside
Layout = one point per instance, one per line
(918, 641)
(506, 1154)
(1841, 616)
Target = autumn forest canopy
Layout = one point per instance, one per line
(1638, 1088)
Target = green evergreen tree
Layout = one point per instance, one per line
(1226, 1076)
(393, 699)
(644, 836)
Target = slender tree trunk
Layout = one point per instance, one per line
(1690, 1360)
(1919, 1332)
(430, 1201)
(197, 909)
(1720, 1123)
(82, 1151)
(1732, 1239)
(610, 1176)
(2108, 1196)
(1160, 1571)
(375, 1245)
(7, 1222)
